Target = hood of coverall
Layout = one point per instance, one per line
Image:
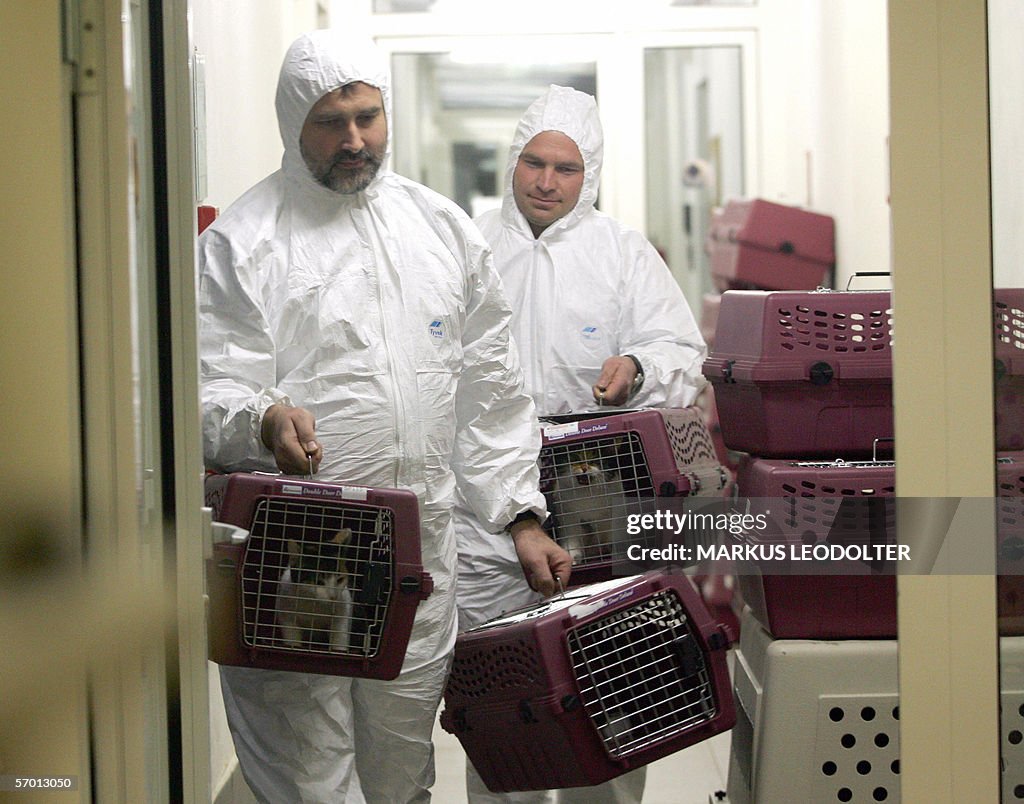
(574, 114)
(315, 64)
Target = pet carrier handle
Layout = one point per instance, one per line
(857, 274)
(874, 446)
(723, 638)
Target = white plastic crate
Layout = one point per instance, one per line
(819, 720)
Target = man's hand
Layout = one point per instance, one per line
(290, 434)
(615, 382)
(541, 558)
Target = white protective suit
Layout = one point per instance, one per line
(586, 289)
(380, 313)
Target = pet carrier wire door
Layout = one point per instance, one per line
(582, 688)
(598, 468)
(318, 577)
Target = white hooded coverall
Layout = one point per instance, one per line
(381, 314)
(586, 289)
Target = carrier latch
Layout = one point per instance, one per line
(423, 585)
(727, 370)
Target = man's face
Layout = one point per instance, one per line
(344, 138)
(547, 180)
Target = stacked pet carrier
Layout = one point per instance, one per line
(589, 685)
(760, 245)
(802, 385)
(313, 577)
(756, 245)
(1008, 320)
(803, 388)
(598, 469)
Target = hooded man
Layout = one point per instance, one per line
(598, 320)
(352, 324)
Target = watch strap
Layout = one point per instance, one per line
(638, 380)
(522, 517)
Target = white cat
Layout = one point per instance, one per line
(314, 605)
(589, 506)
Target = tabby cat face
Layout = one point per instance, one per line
(584, 465)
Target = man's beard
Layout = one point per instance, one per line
(346, 181)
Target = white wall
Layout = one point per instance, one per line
(823, 98)
(1006, 77)
(243, 42)
(849, 131)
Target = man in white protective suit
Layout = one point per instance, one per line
(598, 319)
(352, 324)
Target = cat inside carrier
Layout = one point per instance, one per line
(314, 577)
(598, 469)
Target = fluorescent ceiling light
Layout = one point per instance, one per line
(522, 51)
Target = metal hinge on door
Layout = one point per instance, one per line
(82, 34)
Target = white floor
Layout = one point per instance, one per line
(690, 776)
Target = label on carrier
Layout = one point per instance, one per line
(579, 601)
(589, 607)
(333, 492)
(556, 431)
(560, 430)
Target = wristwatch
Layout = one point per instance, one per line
(638, 380)
(523, 517)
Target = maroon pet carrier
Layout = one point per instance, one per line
(587, 686)
(806, 500)
(317, 577)
(728, 458)
(854, 503)
(1010, 530)
(710, 305)
(803, 373)
(599, 468)
(761, 245)
(1009, 368)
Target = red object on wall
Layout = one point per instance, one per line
(207, 215)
